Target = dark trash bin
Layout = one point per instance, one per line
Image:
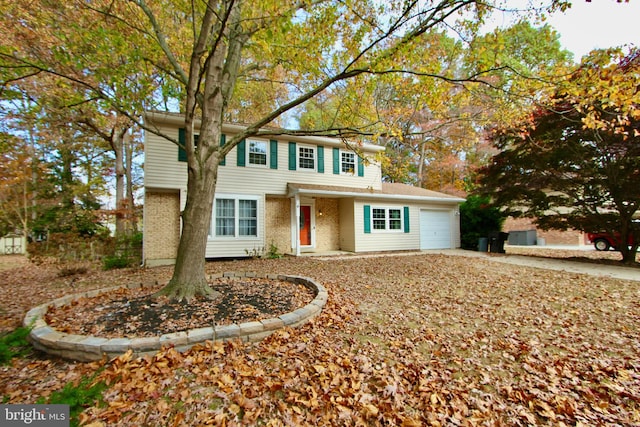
(496, 242)
(483, 244)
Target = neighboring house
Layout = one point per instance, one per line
(299, 194)
(545, 237)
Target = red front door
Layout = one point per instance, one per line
(305, 225)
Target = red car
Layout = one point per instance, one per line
(604, 241)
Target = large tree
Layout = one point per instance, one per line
(575, 163)
(206, 52)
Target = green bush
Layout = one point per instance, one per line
(127, 252)
(14, 344)
(477, 219)
(273, 252)
(263, 252)
(114, 262)
(79, 396)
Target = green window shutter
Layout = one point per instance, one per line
(320, 159)
(273, 154)
(406, 219)
(336, 161)
(182, 154)
(360, 167)
(367, 219)
(292, 156)
(242, 153)
(223, 140)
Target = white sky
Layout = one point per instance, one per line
(597, 25)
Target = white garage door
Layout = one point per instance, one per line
(435, 229)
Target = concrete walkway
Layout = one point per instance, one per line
(601, 270)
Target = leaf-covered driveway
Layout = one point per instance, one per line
(403, 340)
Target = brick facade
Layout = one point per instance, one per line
(278, 224)
(327, 225)
(551, 237)
(162, 215)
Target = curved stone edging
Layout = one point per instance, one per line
(87, 348)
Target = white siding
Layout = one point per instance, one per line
(164, 171)
(347, 231)
(161, 167)
(386, 240)
(393, 241)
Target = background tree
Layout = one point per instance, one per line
(115, 130)
(434, 128)
(62, 170)
(576, 163)
(15, 179)
(99, 132)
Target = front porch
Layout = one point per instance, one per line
(305, 225)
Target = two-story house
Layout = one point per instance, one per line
(300, 194)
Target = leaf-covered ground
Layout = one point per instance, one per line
(403, 340)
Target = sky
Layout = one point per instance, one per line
(597, 24)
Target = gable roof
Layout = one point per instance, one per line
(389, 191)
(154, 118)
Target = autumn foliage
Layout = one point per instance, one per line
(575, 162)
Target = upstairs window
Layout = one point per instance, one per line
(258, 153)
(306, 157)
(347, 162)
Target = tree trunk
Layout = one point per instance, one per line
(66, 176)
(117, 145)
(628, 253)
(132, 222)
(220, 71)
(421, 158)
(189, 279)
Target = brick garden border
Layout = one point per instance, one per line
(87, 348)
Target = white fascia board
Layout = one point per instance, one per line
(380, 196)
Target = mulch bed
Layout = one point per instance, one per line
(128, 313)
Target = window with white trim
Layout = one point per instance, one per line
(306, 157)
(225, 217)
(248, 217)
(235, 217)
(347, 162)
(257, 153)
(387, 219)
